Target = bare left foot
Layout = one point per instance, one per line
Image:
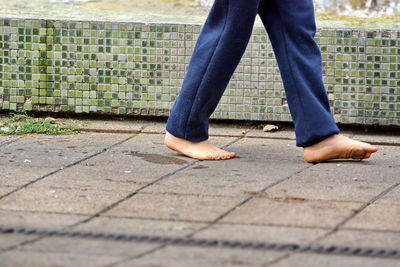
(338, 147)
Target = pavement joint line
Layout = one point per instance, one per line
(203, 222)
(340, 224)
(219, 218)
(223, 215)
(115, 203)
(109, 131)
(378, 143)
(358, 251)
(65, 167)
(97, 214)
(138, 256)
(360, 209)
(163, 246)
(11, 141)
(235, 196)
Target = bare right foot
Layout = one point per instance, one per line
(203, 150)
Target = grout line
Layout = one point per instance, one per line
(249, 199)
(97, 214)
(203, 222)
(64, 167)
(11, 141)
(112, 205)
(104, 210)
(340, 224)
(161, 178)
(221, 216)
(358, 211)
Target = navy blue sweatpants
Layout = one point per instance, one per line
(290, 25)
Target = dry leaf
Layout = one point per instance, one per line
(270, 128)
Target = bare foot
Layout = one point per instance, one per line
(338, 147)
(203, 150)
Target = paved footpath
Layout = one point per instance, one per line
(118, 178)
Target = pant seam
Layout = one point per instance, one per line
(208, 65)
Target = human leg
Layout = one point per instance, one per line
(291, 27)
(219, 48)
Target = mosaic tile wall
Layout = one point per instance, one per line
(137, 69)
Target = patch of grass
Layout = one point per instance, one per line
(22, 123)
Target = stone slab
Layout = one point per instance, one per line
(175, 207)
(55, 151)
(391, 198)
(5, 190)
(345, 181)
(285, 133)
(41, 259)
(6, 139)
(39, 220)
(78, 246)
(177, 256)
(380, 137)
(9, 241)
(261, 233)
(102, 177)
(259, 164)
(215, 129)
(12, 176)
(112, 126)
(35, 220)
(139, 226)
(72, 201)
(292, 212)
(314, 260)
(377, 217)
(142, 159)
(347, 237)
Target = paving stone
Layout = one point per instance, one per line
(5, 190)
(111, 125)
(55, 151)
(292, 212)
(41, 259)
(351, 181)
(280, 134)
(102, 177)
(12, 176)
(33, 220)
(177, 207)
(142, 159)
(4, 139)
(154, 127)
(94, 247)
(40, 220)
(377, 217)
(178, 256)
(215, 129)
(314, 260)
(393, 197)
(139, 226)
(262, 233)
(74, 201)
(252, 171)
(9, 241)
(261, 151)
(387, 138)
(345, 237)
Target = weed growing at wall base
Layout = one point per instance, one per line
(23, 123)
